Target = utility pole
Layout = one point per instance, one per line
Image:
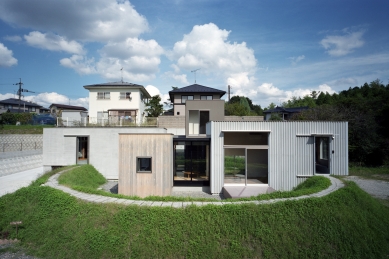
(229, 93)
(19, 91)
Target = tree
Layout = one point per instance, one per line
(236, 109)
(154, 106)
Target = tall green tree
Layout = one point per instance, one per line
(154, 106)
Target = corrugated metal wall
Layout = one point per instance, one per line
(291, 150)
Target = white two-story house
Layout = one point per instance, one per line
(117, 101)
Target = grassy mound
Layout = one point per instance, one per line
(87, 179)
(345, 224)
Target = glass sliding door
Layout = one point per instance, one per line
(234, 166)
(191, 163)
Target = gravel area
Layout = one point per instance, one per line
(19, 254)
(376, 188)
(112, 187)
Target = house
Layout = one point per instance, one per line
(117, 100)
(211, 152)
(15, 105)
(284, 113)
(56, 108)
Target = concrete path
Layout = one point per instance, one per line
(13, 182)
(53, 182)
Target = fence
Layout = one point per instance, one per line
(20, 142)
(110, 121)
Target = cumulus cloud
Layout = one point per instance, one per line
(207, 47)
(344, 44)
(53, 42)
(14, 38)
(88, 20)
(80, 64)
(6, 57)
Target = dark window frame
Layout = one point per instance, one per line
(138, 164)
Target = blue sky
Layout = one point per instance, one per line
(268, 51)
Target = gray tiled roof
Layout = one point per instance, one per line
(15, 101)
(68, 107)
(195, 88)
(287, 110)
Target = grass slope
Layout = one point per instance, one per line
(345, 224)
(375, 173)
(23, 129)
(87, 179)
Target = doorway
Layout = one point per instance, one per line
(82, 150)
(322, 155)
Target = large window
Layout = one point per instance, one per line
(186, 97)
(103, 95)
(245, 158)
(143, 164)
(324, 148)
(125, 95)
(191, 163)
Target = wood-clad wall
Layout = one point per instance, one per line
(157, 146)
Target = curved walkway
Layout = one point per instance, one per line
(53, 182)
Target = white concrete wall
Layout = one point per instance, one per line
(59, 147)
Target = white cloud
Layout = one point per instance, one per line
(88, 20)
(343, 45)
(46, 99)
(6, 57)
(53, 42)
(80, 64)
(155, 91)
(295, 60)
(180, 78)
(206, 47)
(14, 38)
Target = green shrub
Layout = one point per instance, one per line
(84, 176)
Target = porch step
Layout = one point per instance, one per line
(235, 192)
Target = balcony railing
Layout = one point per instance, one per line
(111, 121)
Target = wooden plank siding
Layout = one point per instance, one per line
(157, 146)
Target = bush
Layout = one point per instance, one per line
(12, 118)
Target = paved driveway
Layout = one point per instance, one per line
(376, 188)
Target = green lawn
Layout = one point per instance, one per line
(345, 224)
(375, 173)
(23, 129)
(87, 179)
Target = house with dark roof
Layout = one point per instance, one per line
(198, 148)
(15, 105)
(117, 100)
(284, 113)
(56, 108)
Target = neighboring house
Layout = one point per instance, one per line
(212, 152)
(12, 105)
(73, 118)
(117, 100)
(56, 108)
(284, 113)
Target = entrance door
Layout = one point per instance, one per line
(322, 155)
(82, 150)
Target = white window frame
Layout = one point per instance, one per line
(125, 96)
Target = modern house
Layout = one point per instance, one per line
(211, 152)
(284, 113)
(16, 105)
(117, 100)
